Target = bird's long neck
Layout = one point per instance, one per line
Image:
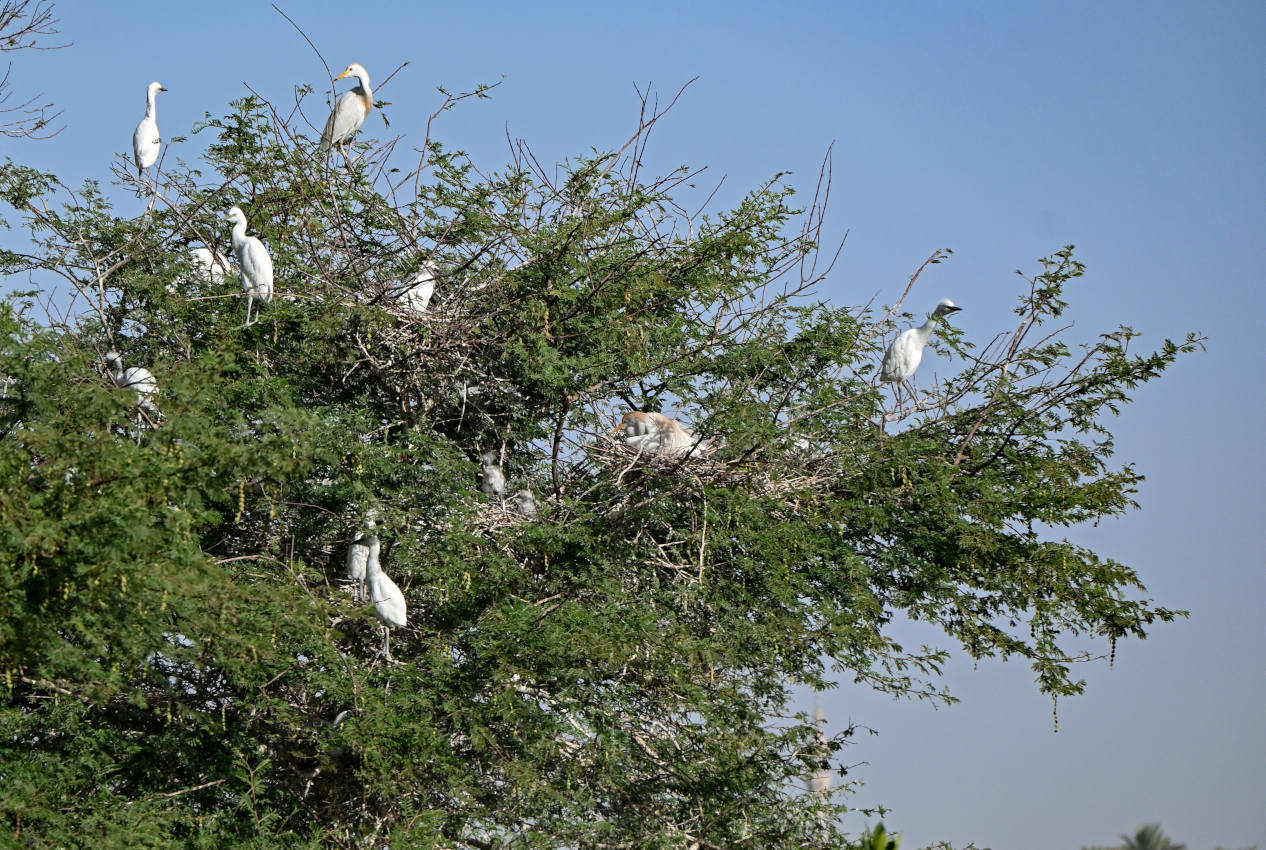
(372, 567)
(151, 103)
(239, 233)
(116, 370)
(366, 93)
(925, 330)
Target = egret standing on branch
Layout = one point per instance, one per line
(254, 262)
(350, 111)
(358, 556)
(387, 598)
(416, 294)
(145, 140)
(903, 356)
(138, 379)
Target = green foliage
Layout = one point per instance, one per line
(184, 665)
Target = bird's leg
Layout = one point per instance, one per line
(914, 394)
(249, 303)
(386, 642)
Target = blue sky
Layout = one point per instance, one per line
(1002, 130)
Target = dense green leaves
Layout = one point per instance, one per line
(184, 665)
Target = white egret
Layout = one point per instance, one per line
(655, 433)
(387, 598)
(146, 141)
(138, 379)
(253, 260)
(416, 294)
(903, 356)
(350, 111)
(491, 479)
(524, 504)
(209, 263)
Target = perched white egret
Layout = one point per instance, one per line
(253, 260)
(524, 504)
(387, 598)
(903, 356)
(416, 294)
(358, 556)
(146, 141)
(209, 263)
(491, 479)
(655, 433)
(138, 379)
(350, 111)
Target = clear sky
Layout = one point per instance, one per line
(1003, 130)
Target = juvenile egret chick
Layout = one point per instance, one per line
(491, 479)
(524, 504)
(655, 433)
(254, 261)
(146, 142)
(416, 295)
(138, 379)
(387, 598)
(350, 111)
(210, 264)
(903, 356)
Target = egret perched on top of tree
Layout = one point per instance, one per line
(903, 356)
(350, 111)
(253, 260)
(146, 141)
(138, 379)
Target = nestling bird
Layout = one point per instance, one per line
(358, 556)
(253, 260)
(655, 433)
(138, 379)
(210, 263)
(416, 294)
(524, 504)
(903, 356)
(491, 479)
(350, 111)
(387, 598)
(146, 141)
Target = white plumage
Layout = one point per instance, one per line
(655, 433)
(416, 294)
(138, 379)
(146, 142)
(350, 111)
(253, 260)
(210, 263)
(388, 600)
(358, 560)
(903, 356)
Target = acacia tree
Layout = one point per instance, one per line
(184, 664)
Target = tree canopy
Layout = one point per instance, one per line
(183, 662)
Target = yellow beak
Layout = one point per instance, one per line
(346, 73)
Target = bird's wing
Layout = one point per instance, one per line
(257, 268)
(896, 359)
(349, 113)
